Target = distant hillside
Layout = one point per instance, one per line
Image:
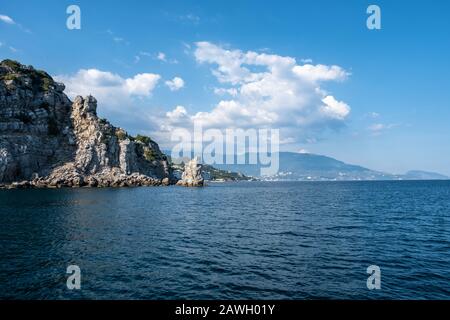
(423, 175)
(306, 166)
(215, 174)
(210, 173)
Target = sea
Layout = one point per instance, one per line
(233, 240)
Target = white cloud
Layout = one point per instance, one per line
(335, 109)
(223, 91)
(175, 84)
(270, 91)
(320, 72)
(141, 84)
(109, 88)
(378, 128)
(161, 56)
(179, 113)
(6, 19)
(13, 49)
(144, 54)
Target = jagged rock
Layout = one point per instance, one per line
(48, 141)
(192, 175)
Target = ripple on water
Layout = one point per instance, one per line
(228, 241)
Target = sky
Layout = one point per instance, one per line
(312, 69)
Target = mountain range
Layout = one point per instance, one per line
(307, 166)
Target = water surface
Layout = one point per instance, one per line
(250, 240)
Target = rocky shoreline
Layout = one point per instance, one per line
(48, 141)
(121, 181)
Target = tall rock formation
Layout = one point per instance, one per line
(48, 141)
(192, 175)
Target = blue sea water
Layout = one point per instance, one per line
(249, 240)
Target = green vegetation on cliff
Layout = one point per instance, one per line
(13, 70)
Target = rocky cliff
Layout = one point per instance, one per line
(46, 140)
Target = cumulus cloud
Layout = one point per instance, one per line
(141, 84)
(177, 115)
(175, 84)
(267, 91)
(335, 109)
(109, 88)
(314, 73)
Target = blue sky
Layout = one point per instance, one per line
(390, 100)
